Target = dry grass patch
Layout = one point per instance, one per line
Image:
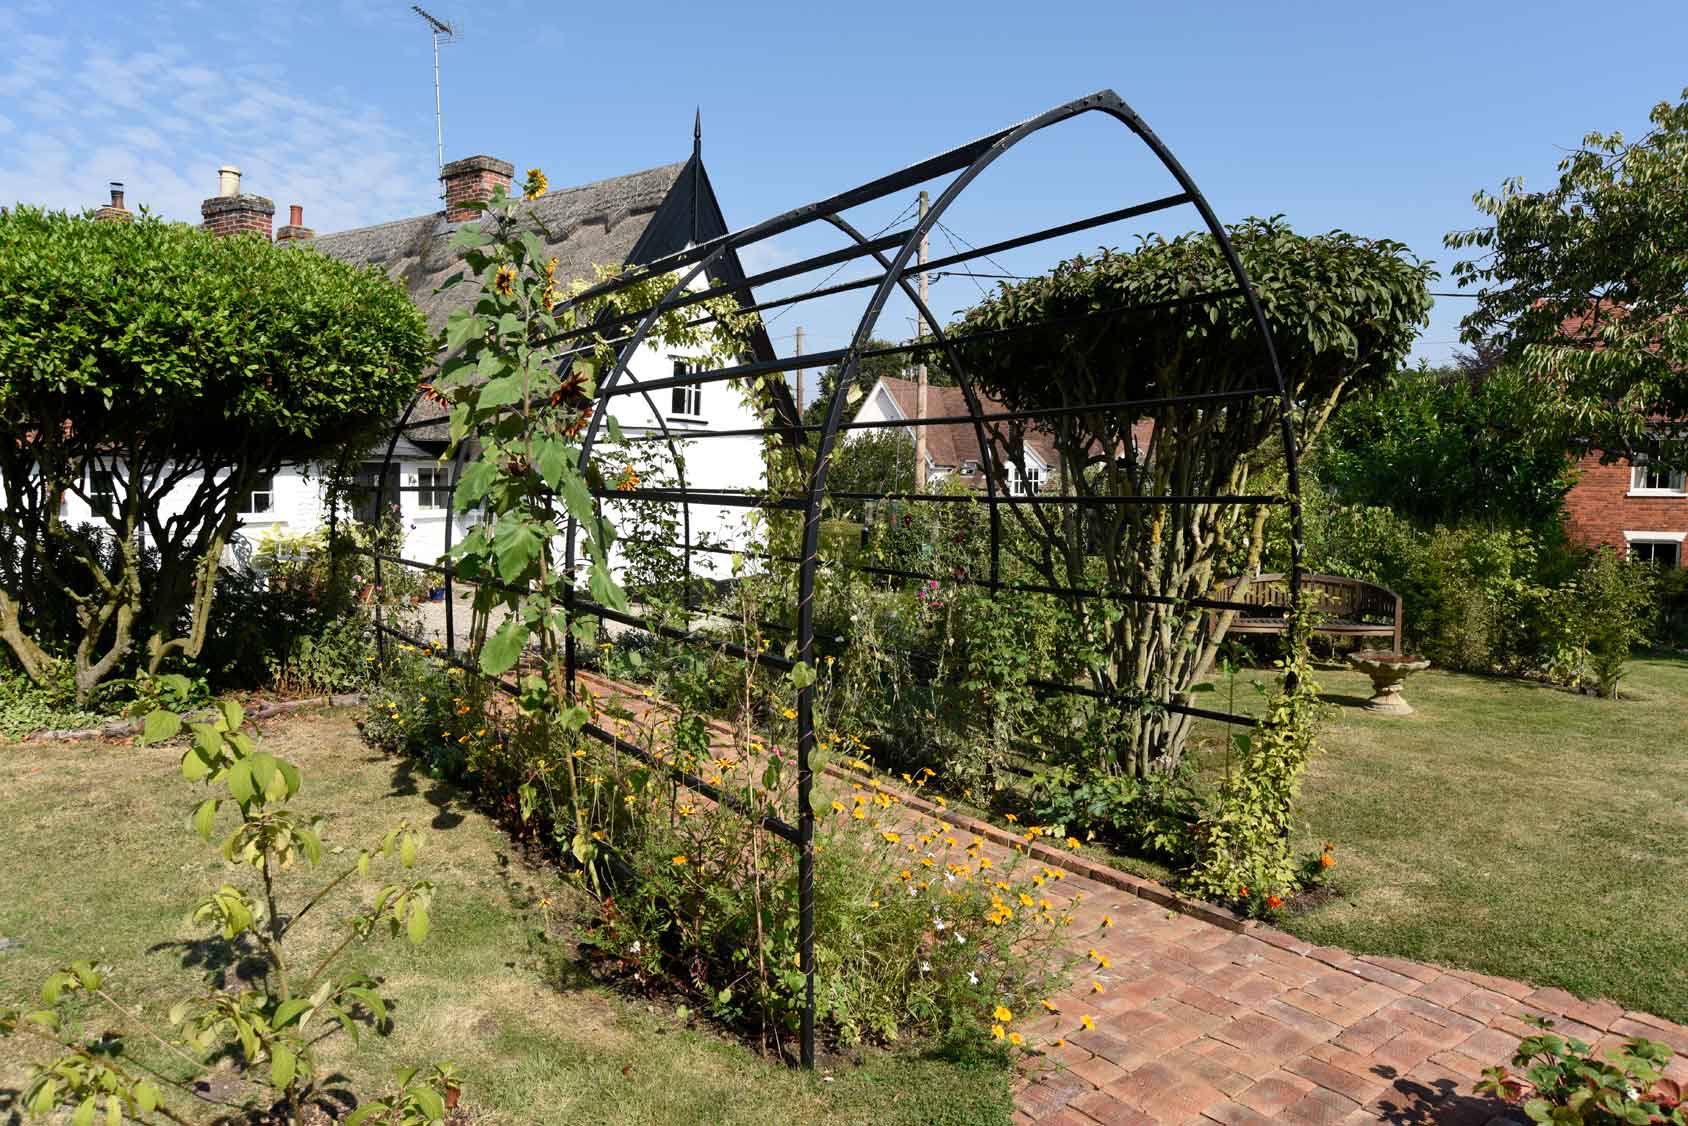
(99, 863)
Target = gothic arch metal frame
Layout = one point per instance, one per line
(892, 255)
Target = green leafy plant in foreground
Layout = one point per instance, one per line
(1564, 1081)
(274, 1021)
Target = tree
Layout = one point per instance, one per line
(871, 461)
(1451, 447)
(1343, 312)
(1586, 285)
(186, 367)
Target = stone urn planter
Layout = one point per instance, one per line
(1387, 671)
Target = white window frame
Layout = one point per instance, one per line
(686, 401)
(1034, 479)
(1638, 486)
(1677, 538)
(264, 487)
(429, 492)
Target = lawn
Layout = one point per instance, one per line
(100, 864)
(1514, 829)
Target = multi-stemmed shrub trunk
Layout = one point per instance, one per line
(1149, 533)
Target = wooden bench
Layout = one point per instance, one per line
(1341, 607)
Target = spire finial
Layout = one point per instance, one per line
(697, 132)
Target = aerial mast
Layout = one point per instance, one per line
(438, 28)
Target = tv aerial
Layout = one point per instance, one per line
(440, 29)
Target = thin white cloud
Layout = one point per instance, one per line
(84, 113)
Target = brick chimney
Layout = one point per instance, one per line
(295, 231)
(472, 178)
(114, 212)
(231, 213)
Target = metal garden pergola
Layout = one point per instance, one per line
(892, 258)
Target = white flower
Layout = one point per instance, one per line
(938, 924)
(972, 978)
(634, 949)
(912, 892)
(961, 940)
(926, 967)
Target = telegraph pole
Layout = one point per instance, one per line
(800, 374)
(920, 369)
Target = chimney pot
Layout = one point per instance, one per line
(114, 212)
(230, 212)
(295, 231)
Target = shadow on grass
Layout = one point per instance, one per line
(217, 957)
(1343, 700)
(446, 799)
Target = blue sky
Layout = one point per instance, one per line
(1375, 118)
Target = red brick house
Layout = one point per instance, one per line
(1640, 511)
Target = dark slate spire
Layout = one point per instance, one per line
(697, 174)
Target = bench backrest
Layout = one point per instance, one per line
(1333, 596)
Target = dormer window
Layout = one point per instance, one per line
(687, 400)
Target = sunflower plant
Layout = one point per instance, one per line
(272, 1021)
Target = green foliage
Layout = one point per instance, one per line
(273, 1020)
(26, 706)
(1582, 283)
(1564, 1080)
(1485, 600)
(1342, 310)
(1440, 447)
(183, 364)
(873, 461)
(1242, 847)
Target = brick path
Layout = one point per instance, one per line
(1201, 1018)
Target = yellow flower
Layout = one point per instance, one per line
(1103, 961)
(790, 713)
(505, 282)
(860, 814)
(1011, 818)
(893, 838)
(838, 807)
(1086, 1021)
(1072, 842)
(1107, 921)
(536, 185)
(1095, 987)
(1016, 1039)
(678, 860)
(998, 1032)
(1025, 900)
(1050, 1005)
(1002, 1014)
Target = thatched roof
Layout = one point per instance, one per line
(591, 225)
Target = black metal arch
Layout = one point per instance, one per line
(891, 254)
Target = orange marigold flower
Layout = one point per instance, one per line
(1326, 860)
(1274, 902)
(1242, 892)
(678, 860)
